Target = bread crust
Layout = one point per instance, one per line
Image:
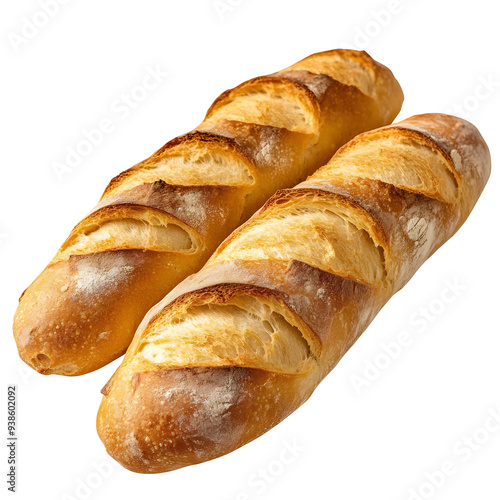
(160, 220)
(180, 402)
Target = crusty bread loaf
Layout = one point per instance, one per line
(234, 349)
(159, 221)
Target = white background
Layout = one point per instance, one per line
(375, 444)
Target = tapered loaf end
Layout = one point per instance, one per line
(167, 419)
(73, 318)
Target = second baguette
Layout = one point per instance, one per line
(236, 348)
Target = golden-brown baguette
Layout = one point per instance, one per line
(160, 220)
(237, 347)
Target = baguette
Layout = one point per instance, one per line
(236, 348)
(159, 221)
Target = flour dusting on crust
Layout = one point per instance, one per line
(211, 400)
(132, 446)
(91, 279)
(416, 228)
